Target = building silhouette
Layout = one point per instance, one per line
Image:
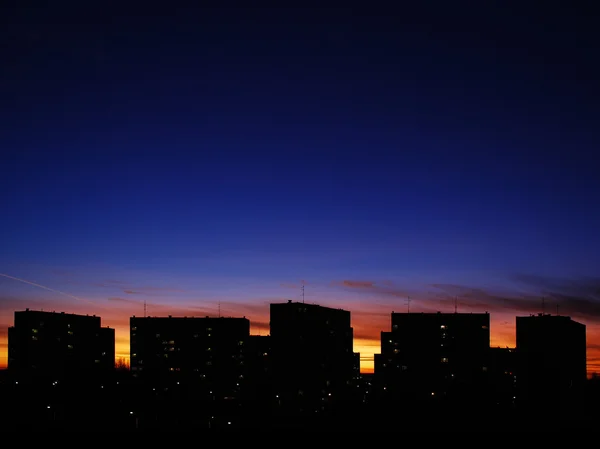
(552, 366)
(430, 357)
(313, 362)
(60, 346)
(502, 382)
(206, 353)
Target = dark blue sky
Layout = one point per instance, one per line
(288, 144)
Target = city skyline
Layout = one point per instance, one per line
(369, 302)
(191, 156)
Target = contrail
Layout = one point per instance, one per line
(46, 288)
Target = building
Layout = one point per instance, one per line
(312, 352)
(552, 367)
(60, 346)
(503, 378)
(206, 352)
(434, 356)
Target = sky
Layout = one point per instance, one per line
(205, 159)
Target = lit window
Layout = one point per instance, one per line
(35, 331)
(70, 346)
(443, 326)
(444, 359)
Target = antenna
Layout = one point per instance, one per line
(302, 293)
(408, 304)
(145, 309)
(455, 304)
(543, 305)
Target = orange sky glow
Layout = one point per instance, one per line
(367, 323)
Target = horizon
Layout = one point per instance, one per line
(367, 322)
(190, 156)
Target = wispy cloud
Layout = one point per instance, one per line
(579, 298)
(117, 299)
(385, 288)
(130, 292)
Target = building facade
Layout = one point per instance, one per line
(552, 366)
(312, 357)
(434, 356)
(206, 352)
(60, 346)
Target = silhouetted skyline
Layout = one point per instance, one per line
(206, 159)
(209, 372)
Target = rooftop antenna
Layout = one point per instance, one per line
(543, 305)
(145, 309)
(302, 293)
(408, 304)
(455, 304)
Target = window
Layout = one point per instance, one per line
(444, 359)
(443, 326)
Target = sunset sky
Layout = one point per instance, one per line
(190, 157)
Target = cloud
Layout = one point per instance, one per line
(366, 335)
(130, 292)
(385, 288)
(358, 284)
(117, 299)
(577, 298)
